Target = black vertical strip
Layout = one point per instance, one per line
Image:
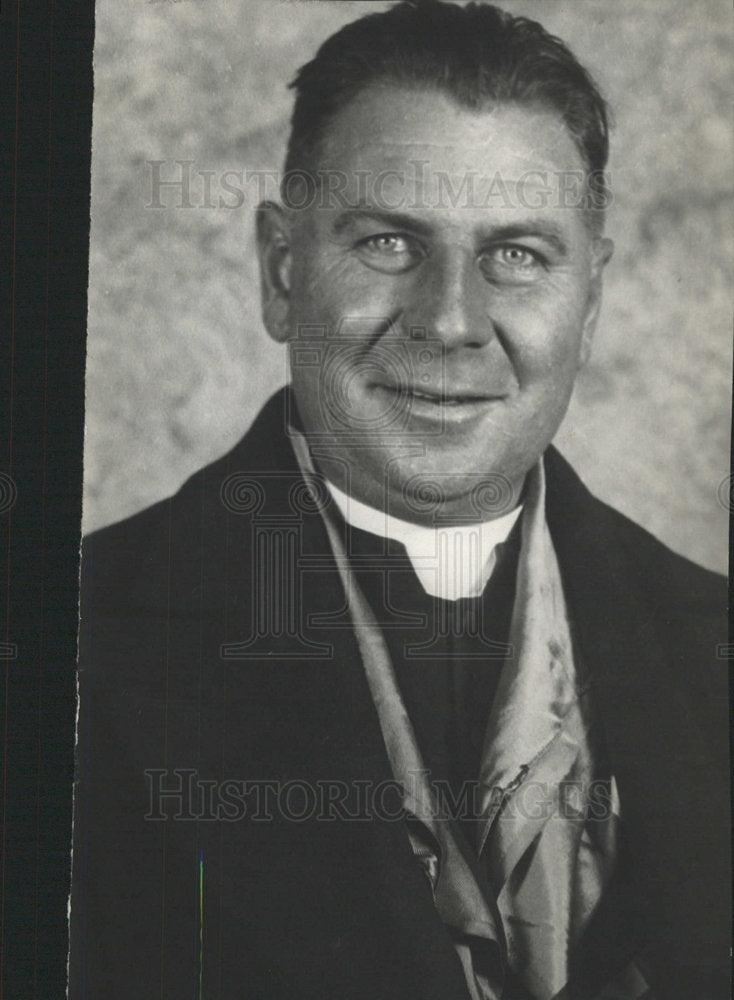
(46, 67)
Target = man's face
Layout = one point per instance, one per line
(438, 302)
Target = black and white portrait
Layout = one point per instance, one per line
(403, 627)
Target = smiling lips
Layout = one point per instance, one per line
(445, 399)
(439, 397)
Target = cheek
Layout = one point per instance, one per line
(329, 288)
(317, 285)
(542, 332)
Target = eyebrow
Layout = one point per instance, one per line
(544, 229)
(392, 220)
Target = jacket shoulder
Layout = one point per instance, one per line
(173, 544)
(618, 545)
(669, 577)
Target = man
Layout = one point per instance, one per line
(384, 703)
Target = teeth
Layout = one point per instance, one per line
(436, 398)
(446, 401)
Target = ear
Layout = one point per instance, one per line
(274, 253)
(602, 251)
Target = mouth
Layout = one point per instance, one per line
(434, 403)
(446, 398)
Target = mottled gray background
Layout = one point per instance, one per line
(178, 361)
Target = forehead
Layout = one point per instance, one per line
(422, 141)
(442, 166)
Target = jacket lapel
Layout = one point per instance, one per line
(336, 899)
(654, 733)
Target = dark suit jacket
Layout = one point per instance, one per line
(187, 664)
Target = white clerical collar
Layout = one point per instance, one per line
(450, 561)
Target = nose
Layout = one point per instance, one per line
(452, 300)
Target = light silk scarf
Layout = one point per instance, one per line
(547, 864)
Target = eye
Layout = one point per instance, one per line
(516, 256)
(390, 252)
(511, 263)
(387, 243)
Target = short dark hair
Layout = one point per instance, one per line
(477, 54)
